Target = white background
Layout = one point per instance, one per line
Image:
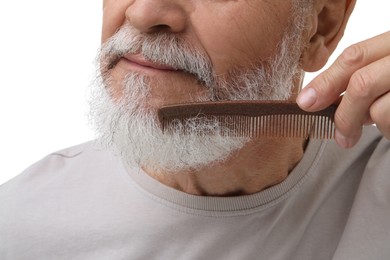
(47, 50)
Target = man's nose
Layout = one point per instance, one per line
(157, 15)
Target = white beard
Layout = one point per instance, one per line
(131, 129)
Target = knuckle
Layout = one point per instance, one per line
(353, 55)
(323, 83)
(361, 84)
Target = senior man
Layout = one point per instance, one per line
(139, 193)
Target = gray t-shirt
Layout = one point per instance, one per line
(82, 203)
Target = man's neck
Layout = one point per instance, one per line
(258, 166)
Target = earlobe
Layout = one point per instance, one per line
(315, 55)
(330, 22)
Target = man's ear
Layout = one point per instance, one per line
(327, 28)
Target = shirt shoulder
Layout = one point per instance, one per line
(59, 164)
(371, 145)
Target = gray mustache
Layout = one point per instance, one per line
(163, 48)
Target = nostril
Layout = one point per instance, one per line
(160, 27)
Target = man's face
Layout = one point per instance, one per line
(231, 35)
(175, 51)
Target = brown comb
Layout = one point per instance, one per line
(255, 118)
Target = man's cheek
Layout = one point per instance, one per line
(113, 18)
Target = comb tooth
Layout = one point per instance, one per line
(288, 122)
(255, 125)
(265, 125)
(259, 127)
(261, 131)
(251, 124)
(290, 130)
(240, 125)
(243, 126)
(306, 120)
(274, 125)
(319, 124)
(234, 126)
(291, 125)
(282, 126)
(247, 124)
(301, 124)
(331, 128)
(268, 125)
(327, 128)
(315, 127)
(319, 127)
(313, 123)
(278, 128)
(279, 120)
(241, 129)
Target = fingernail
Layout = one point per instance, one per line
(307, 97)
(342, 140)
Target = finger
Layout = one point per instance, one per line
(364, 89)
(380, 114)
(329, 85)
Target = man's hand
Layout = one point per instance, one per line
(362, 71)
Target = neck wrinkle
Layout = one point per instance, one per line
(259, 165)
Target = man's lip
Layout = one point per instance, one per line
(139, 59)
